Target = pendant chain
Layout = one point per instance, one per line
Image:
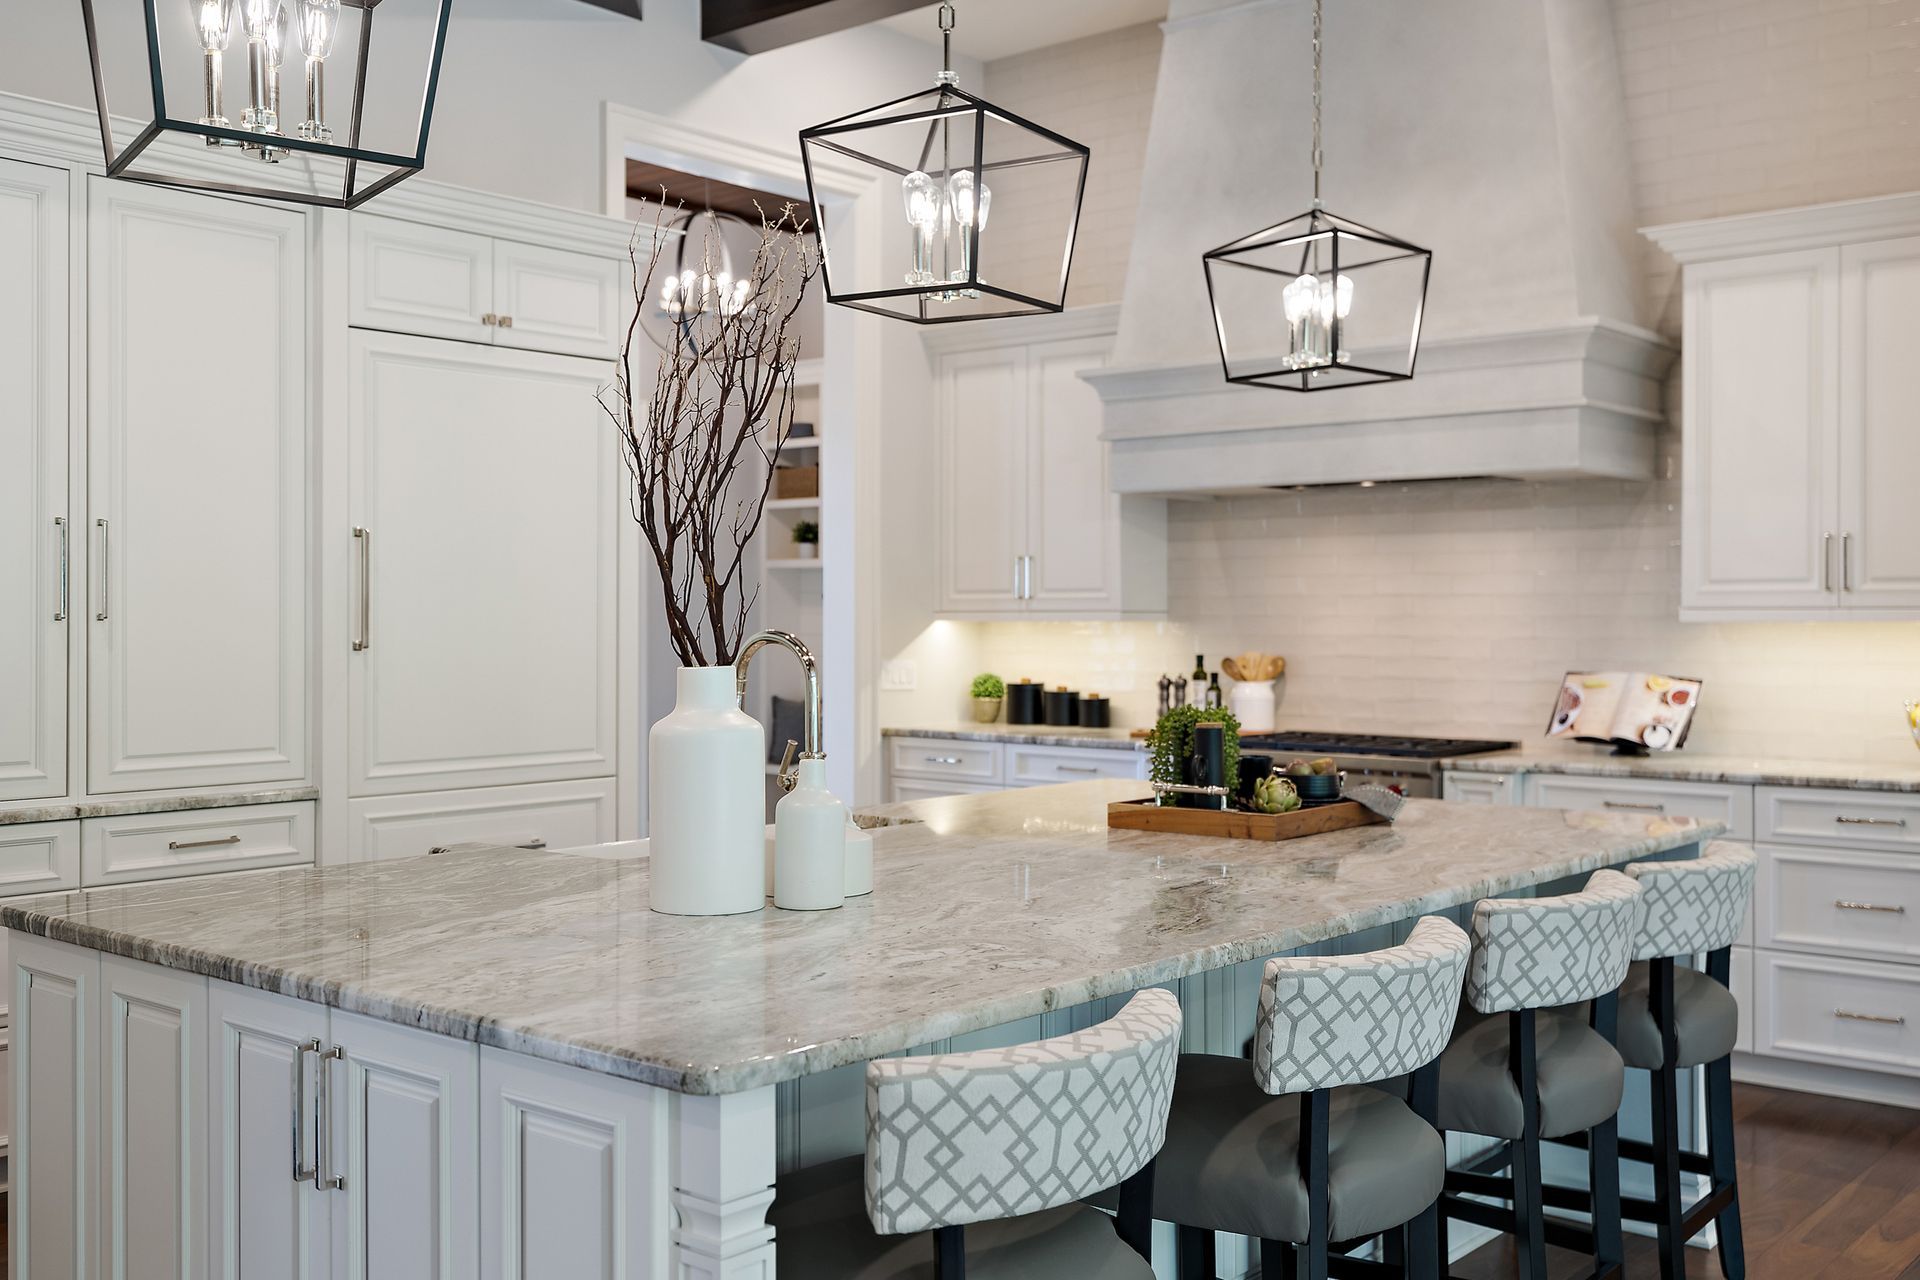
(1316, 104)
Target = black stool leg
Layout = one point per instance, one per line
(1194, 1245)
(1666, 1127)
(1423, 1250)
(1279, 1261)
(1603, 1159)
(1315, 1116)
(1733, 1254)
(1530, 1228)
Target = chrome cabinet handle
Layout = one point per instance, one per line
(364, 640)
(1644, 808)
(535, 843)
(202, 844)
(1075, 768)
(1845, 905)
(1826, 562)
(1871, 822)
(323, 1126)
(301, 1169)
(490, 319)
(1846, 562)
(943, 759)
(506, 322)
(1016, 577)
(106, 570)
(1880, 1018)
(60, 610)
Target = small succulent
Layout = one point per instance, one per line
(989, 686)
(806, 531)
(1274, 794)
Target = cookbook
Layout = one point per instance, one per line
(1636, 711)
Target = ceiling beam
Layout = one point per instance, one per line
(755, 26)
(630, 8)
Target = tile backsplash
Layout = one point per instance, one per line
(1456, 608)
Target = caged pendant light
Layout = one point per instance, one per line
(1317, 301)
(208, 76)
(959, 164)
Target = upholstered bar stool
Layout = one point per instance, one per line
(1519, 1070)
(976, 1162)
(1673, 1019)
(1291, 1148)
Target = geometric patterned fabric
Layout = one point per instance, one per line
(972, 1137)
(1326, 1021)
(1693, 906)
(1535, 953)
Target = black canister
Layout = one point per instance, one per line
(1252, 769)
(1096, 712)
(1063, 706)
(1023, 703)
(1208, 766)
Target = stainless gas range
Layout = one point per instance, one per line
(1406, 764)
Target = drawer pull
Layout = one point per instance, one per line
(1844, 905)
(202, 844)
(1644, 808)
(1870, 822)
(943, 759)
(1880, 1018)
(535, 843)
(301, 1169)
(1076, 768)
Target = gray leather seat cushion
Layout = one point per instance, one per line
(1706, 1017)
(820, 1228)
(1580, 1076)
(1232, 1157)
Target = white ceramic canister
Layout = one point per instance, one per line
(1251, 702)
(859, 861)
(809, 844)
(706, 789)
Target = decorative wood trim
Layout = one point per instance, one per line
(1816, 226)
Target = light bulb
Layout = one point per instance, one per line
(960, 190)
(259, 15)
(1336, 299)
(319, 22)
(1298, 297)
(214, 19)
(277, 40)
(922, 197)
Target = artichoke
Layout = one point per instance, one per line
(1273, 794)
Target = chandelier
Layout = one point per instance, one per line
(958, 162)
(709, 283)
(269, 98)
(1317, 301)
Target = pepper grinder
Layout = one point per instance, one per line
(1166, 694)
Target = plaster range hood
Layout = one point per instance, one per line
(1492, 132)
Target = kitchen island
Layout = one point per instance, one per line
(501, 1062)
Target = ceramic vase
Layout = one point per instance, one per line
(809, 844)
(706, 789)
(1252, 704)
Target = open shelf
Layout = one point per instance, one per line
(791, 504)
(773, 563)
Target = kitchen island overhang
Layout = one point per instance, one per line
(987, 910)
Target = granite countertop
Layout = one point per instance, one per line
(66, 810)
(1681, 766)
(987, 909)
(1030, 735)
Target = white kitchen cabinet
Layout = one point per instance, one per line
(927, 768)
(1042, 766)
(55, 1018)
(412, 278)
(1652, 798)
(1027, 523)
(133, 847)
(1879, 447)
(485, 508)
(552, 815)
(153, 1122)
(39, 857)
(36, 528)
(1482, 788)
(198, 663)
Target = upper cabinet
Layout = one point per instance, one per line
(1800, 461)
(36, 528)
(412, 278)
(1028, 524)
(198, 658)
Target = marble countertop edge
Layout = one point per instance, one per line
(115, 806)
(1737, 770)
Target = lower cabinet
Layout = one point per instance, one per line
(551, 815)
(927, 768)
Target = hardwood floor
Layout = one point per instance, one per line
(1829, 1189)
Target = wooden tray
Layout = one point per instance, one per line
(1145, 815)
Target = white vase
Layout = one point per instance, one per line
(806, 550)
(1251, 702)
(809, 844)
(706, 789)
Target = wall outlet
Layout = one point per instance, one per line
(899, 676)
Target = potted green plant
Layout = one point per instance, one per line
(806, 539)
(988, 691)
(1170, 745)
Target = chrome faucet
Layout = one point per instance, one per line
(789, 775)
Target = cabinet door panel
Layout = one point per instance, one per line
(1879, 442)
(983, 481)
(54, 1019)
(1760, 517)
(410, 1117)
(1072, 516)
(265, 1223)
(552, 815)
(197, 662)
(416, 279)
(34, 338)
(490, 485)
(552, 300)
(39, 857)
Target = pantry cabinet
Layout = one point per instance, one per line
(1027, 523)
(1799, 459)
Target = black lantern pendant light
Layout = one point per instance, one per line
(1317, 301)
(959, 163)
(344, 130)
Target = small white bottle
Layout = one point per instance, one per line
(859, 861)
(809, 844)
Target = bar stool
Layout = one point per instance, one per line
(1006, 1141)
(1673, 1019)
(1519, 1069)
(1296, 1151)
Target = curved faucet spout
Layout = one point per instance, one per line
(787, 640)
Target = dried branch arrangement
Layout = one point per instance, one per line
(701, 447)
